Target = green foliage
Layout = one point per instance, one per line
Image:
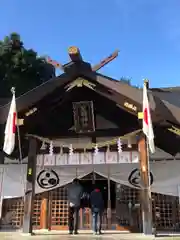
(125, 80)
(128, 81)
(20, 67)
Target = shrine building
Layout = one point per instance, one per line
(82, 124)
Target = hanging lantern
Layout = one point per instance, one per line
(51, 148)
(96, 150)
(70, 149)
(119, 145)
(129, 143)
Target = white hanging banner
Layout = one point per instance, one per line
(88, 158)
(165, 177)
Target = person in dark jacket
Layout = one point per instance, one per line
(74, 193)
(97, 207)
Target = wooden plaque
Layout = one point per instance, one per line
(83, 117)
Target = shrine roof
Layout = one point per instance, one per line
(79, 75)
(164, 105)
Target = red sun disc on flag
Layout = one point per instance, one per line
(145, 115)
(14, 122)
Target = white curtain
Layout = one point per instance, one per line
(166, 176)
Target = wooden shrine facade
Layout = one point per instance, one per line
(165, 211)
(67, 108)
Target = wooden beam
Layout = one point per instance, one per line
(74, 54)
(55, 63)
(112, 132)
(105, 61)
(146, 201)
(30, 187)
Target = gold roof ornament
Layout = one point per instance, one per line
(80, 82)
(73, 50)
(174, 130)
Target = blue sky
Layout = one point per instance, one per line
(147, 33)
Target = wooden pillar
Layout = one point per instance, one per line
(49, 218)
(146, 201)
(44, 211)
(93, 140)
(109, 213)
(30, 187)
(2, 157)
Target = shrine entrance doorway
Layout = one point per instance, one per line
(85, 213)
(125, 206)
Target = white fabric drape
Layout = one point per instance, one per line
(166, 176)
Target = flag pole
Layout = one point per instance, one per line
(18, 131)
(145, 176)
(146, 82)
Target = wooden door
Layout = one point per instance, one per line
(58, 209)
(85, 219)
(127, 208)
(16, 207)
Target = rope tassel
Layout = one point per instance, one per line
(51, 150)
(96, 150)
(119, 145)
(70, 149)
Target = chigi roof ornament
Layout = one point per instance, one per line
(75, 56)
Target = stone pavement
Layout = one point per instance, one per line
(55, 235)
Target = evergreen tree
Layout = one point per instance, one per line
(20, 67)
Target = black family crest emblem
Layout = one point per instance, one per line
(47, 179)
(135, 178)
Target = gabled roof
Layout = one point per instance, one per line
(162, 155)
(163, 105)
(172, 102)
(121, 94)
(166, 89)
(33, 96)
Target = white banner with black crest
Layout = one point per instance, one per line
(165, 177)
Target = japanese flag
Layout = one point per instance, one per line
(10, 129)
(147, 122)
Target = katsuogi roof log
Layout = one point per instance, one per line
(74, 54)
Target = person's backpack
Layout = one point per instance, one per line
(85, 201)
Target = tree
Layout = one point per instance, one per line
(20, 67)
(128, 81)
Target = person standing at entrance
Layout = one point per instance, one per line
(97, 207)
(74, 193)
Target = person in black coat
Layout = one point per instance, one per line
(75, 192)
(97, 207)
